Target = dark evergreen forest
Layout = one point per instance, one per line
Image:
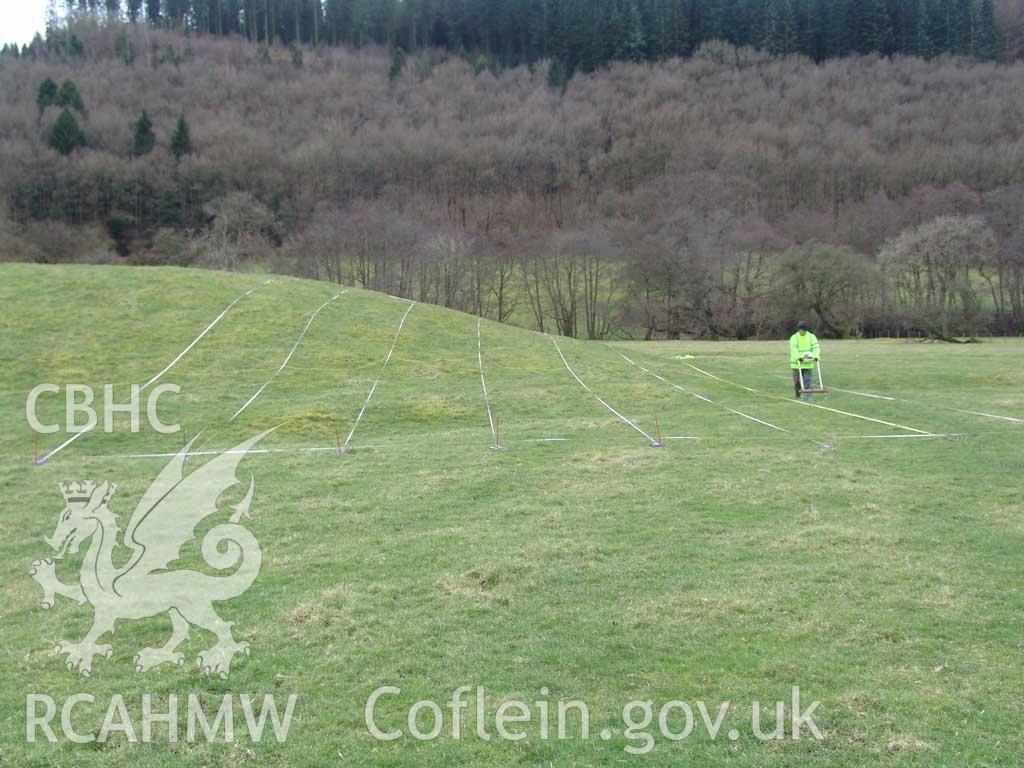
(583, 35)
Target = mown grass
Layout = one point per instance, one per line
(882, 576)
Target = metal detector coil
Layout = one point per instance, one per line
(818, 390)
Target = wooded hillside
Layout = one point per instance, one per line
(724, 194)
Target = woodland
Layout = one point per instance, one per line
(714, 185)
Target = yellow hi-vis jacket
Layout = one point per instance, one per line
(800, 346)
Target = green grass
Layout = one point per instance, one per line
(883, 576)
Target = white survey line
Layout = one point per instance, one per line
(918, 402)
(191, 454)
(602, 402)
(218, 453)
(862, 394)
(154, 379)
(295, 346)
(379, 376)
(483, 384)
(944, 407)
(990, 416)
(197, 339)
(895, 437)
(804, 403)
(708, 400)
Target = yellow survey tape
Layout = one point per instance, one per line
(813, 405)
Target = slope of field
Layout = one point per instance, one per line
(785, 545)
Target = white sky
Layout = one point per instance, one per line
(21, 19)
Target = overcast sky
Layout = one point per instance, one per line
(21, 19)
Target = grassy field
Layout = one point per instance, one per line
(881, 575)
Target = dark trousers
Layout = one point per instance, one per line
(807, 380)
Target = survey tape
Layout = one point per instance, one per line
(596, 397)
(295, 346)
(380, 375)
(804, 402)
(708, 400)
(156, 378)
(483, 383)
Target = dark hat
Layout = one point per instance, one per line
(802, 325)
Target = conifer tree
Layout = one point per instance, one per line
(832, 29)
(936, 22)
(986, 36)
(635, 45)
(589, 40)
(661, 30)
(70, 97)
(960, 27)
(144, 139)
(557, 76)
(181, 139)
(808, 30)
(681, 41)
(918, 41)
(46, 96)
(876, 32)
(397, 63)
(125, 49)
(558, 34)
(615, 31)
(537, 24)
(711, 20)
(66, 136)
(779, 34)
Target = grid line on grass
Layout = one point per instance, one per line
(804, 402)
(380, 375)
(295, 346)
(596, 397)
(1011, 419)
(157, 377)
(720, 405)
(483, 383)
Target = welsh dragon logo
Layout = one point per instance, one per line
(163, 522)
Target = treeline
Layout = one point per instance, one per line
(585, 35)
(727, 194)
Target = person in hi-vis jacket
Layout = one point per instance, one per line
(804, 353)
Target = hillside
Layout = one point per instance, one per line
(653, 200)
(880, 574)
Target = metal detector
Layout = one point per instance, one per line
(818, 390)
